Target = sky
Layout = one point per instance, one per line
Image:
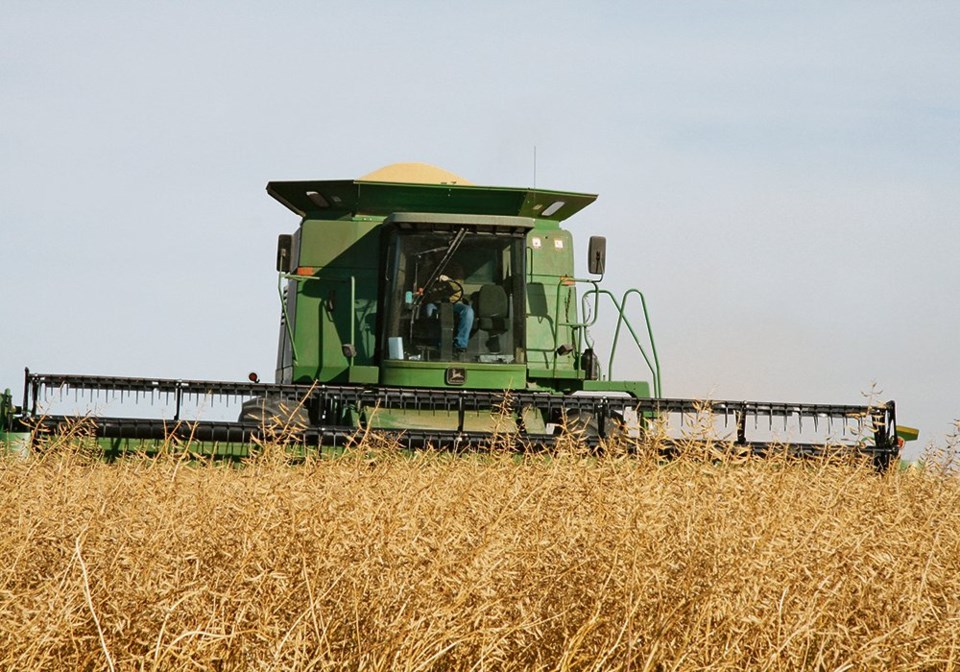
(779, 179)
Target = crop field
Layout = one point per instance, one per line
(381, 561)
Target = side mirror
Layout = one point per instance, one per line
(597, 255)
(284, 252)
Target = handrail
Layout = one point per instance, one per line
(286, 319)
(567, 281)
(621, 308)
(353, 318)
(596, 292)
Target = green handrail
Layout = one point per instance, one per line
(577, 326)
(353, 317)
(621, 308)
(286, 318)
(596, 292)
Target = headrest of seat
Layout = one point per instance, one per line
(492, 301)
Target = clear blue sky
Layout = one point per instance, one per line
(780, 179)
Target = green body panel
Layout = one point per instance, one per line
(473, 421)
(337, 303)
(550, 302)
(369, 375)
(344, 245)
(433, 374)
(636, 388)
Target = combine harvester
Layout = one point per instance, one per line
(433, 312)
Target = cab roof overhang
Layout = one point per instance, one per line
(333, 199)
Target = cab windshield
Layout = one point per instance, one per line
(455, 296)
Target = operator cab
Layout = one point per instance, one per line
(454, 288)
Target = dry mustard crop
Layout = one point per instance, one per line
(437, 562)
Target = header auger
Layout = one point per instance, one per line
(433, 312)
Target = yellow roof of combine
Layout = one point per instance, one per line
(413, 173)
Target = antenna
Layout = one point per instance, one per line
(534, 167)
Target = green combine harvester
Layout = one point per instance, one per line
(435, 313)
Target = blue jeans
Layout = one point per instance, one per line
(463, 313)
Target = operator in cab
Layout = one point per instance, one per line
(448, 288)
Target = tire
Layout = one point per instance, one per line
(584, 422)
(274, 412)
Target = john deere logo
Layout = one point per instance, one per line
(456, 375)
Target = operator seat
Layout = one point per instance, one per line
(492, 310)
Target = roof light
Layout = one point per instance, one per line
(553, 207)
(318, 199)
